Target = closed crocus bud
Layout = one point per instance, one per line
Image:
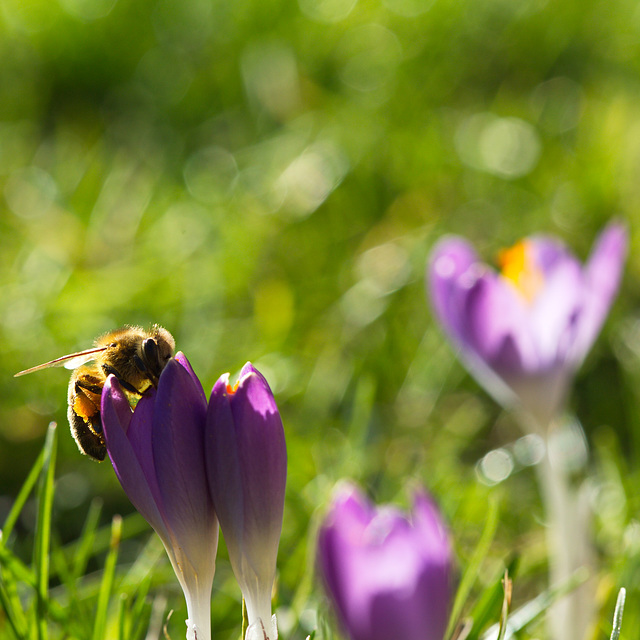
(524, 331)
(157, 452)
(387, 574)
(247, 470)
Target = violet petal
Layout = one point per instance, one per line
(181, 358)
(603, 273)
(223, 463)
(263, 455)
(387, 577)
(178, 452)
(552, 315)
(248, 465)
(450, 273)
(494, 312)
(116, 416)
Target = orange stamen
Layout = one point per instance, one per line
(518, 266)
(232, 389)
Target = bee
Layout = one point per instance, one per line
(134, 356)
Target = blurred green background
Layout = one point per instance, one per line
(266, 179)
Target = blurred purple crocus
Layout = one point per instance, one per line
(157, 452)
(524, 332)
(387, 575)
(247, 470)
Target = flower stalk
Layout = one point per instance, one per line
(523, 333)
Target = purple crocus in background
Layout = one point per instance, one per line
(157, 452)
(524, 332)
(388, 575)
(247, 470)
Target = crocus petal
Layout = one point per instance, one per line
(496, 325)
(247, 462)
(223, 464)
(181, 358)
(603, 273)
(178, 452)
(387, 576)
(548, 252)
(554, 314)
(247, 448)
(264, 460)
(351, 512)
(452, 270)
(116, 419)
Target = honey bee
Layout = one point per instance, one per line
(134, 356)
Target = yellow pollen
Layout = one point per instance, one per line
(232, 389)
(517, 265)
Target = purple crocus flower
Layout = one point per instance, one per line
(387, 575)
(524, 332)
(247, 469)
(157, 452)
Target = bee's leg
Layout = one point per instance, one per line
(85, 423)
(93, 388)
(84, 400)
(146, 367)
(89, 442)
(109, 370)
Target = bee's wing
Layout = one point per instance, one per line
(71, 361)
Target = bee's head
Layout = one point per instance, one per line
(161, 343)
(156, 351)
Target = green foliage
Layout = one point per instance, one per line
(54, 596)
(266, 179)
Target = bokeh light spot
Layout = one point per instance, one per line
(30, 192)
(371, 54)
(496, 466)
(210, 174)
(88, 10)
(327, 11)
(506, 147)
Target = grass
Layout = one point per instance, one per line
(56, 596)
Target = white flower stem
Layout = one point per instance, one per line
(260, 622)
(568, 538)
(199, 612)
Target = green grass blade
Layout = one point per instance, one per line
(122, 618)
(43, 530)
(141, 596)
(87, 539)
(520, 618)
(13, 614)
(507, 584)
(141, 613)
(473, 568)
(106, 586)
(486, 610)
(20, 501)
(617, 616)
(18, 569)
(132, 525)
